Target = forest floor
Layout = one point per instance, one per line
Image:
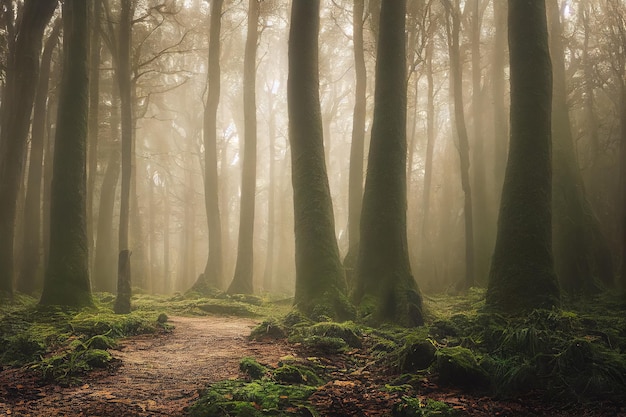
(163, 373)
(155, 375)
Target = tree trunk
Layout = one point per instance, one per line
(357, 145)
(581, 253)
(29, 277)
(67, 274)
(94, 107)
(385, 287)
(426, 244)
(522, 274)
(17, 103)
(104, 260)
(500, 123)
(268, 274)
(212, 276)
(244, 268)
(123, 78)
(464, 157)
(320, 280)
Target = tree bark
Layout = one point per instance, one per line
(212, 276)
(522, 275)
(320, 280)
(67, 274)
(385, 288)
(500, 123)
(268, 274)
(15, 111)
(124, 81)
(357, 145)
(242, 282)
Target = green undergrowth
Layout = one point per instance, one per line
(64, 343)
(263, 391)
(577, 353)
(414, 407)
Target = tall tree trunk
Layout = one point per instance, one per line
(425, 244)
(482, 211)
(320, 280)
(581, 254)
(522, 274)
(500, 122)
(104, 260)
(357, 145)
(122, 303)
(459, 117)
(244, 268)
(94, 106)
(212, 276)
(166, 242)
(31, 243)
(17, 103)
(67, 274)
(622, 119)
(385, 287)
(272, 184)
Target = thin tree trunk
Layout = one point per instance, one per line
(29, 278)
(212, 276)
(357, 145)
(268, 274)
(501, 134)
(243, 280)
(459, 117)
(122, 303)
(94, 106)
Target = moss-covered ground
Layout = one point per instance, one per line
(464, 361)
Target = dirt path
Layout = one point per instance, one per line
(159, 375)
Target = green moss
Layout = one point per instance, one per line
(252, 368)
(297, 373)
(257, 398)
(270, 328)
(416, 354)
(458, 366)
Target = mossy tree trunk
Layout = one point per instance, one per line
(384, 282)
(357, 145)
(126, 113)
(17, 103)
(320, 280)
(242, 281)
(212, 276)
(581, 254)
(29, 275)
(67, 274)
(522, 273)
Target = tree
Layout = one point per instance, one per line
(320, 280)
(581, 255)
(522, 273)
(122, 302)
(66, 279)
(242, 281)
(357, 145)
(31, 243)
(17, 103)
(456, 69)
(385, 286)
(212, 276)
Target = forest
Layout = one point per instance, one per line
(313, 208)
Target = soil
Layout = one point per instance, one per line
(157, 375)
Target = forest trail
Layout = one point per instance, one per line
(159, 375)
